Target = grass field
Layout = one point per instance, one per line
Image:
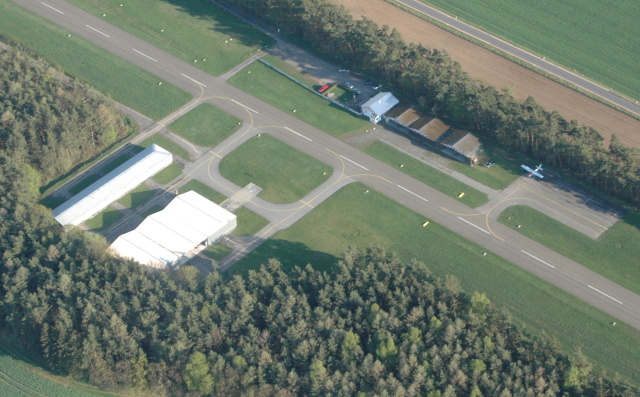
(248, 222)
(167, 144)
(168, 174)
(271, 87)
(217, 252)
(285, 174)
(108, 73)
(188, 29)
(203, 190)
(206, 125)
(426, 174)
(502, 173)
(321, 236)
(615, 255)
(597, 38)
(137, 196)
(291, 70)
(104, 219)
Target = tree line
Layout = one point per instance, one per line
(429, 78)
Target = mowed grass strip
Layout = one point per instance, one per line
(217, 252)
(271, 87)
(249, 222)
(168, 174)
(79, 58)
(615, 255)
(188, 29)
(203, 190)
(104, 219)
(292, 71)
(137, 196)
(285, 174)
(502, 173)
(167, 144)
(206, 125)
(598, 38)
(426, 174)
(353, 218)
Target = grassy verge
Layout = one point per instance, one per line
(615, 255)
(166, 143)
(426, 174)
(79, 58)
(104, 219)
(217, 252)
(271, 87)
(168, 174)
(285, 174)
(188, 29)
(292, 71)
(249, 222)
(321, 236)
(137, 196)
(502, 173)
(203, 190)
(206, 125)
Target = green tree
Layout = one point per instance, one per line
(197, 375)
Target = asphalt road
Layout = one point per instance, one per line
(534, 60)
(496, 238)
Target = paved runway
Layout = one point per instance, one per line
(589, 286)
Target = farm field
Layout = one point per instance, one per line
(188, 29)
(614, 255)
(79, 58)
(270, 86)
(205, 125)
(285, 174)
(596, 38)
(426, 174)
(499, 72)
(321, 236)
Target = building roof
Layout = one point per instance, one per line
(381, 103)
(112, 186)
(164, 237)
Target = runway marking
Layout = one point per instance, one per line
(477, 227)
(409, 191)
(54, 9)
(538, 259)
(96, 30)
(298, 134)
(244, 106)
(608, 296)
(195, 81)
(353, 162)
(144, 55)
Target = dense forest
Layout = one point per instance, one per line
(430, 79)
(374, 326)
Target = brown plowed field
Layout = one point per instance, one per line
(500, 72)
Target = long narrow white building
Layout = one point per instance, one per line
(112, 186)
(188, 223)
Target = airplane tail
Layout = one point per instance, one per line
(539, 167)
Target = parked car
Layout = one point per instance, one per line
(348, 85)
(343, 70)
(324, 88)
(373, 84)
(357, 91)
(489, 163)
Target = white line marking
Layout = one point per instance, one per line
(195, 81)
(538, 259)
(145, 55)
(409, 191)
(608, 296)
(299, 134)
(54, 9)
(477, 227)
(353, 162)
(96, 30)
(244, 106)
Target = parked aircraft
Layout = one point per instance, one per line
(532, 171)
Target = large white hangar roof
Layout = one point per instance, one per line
(381, 103)
(112, 186)
(164, 237)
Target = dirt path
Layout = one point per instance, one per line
(500, 72)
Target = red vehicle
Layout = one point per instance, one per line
(324, 88)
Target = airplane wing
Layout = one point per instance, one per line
(539, 175)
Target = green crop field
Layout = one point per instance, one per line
(79, 58)
(597, 38)
(285, 174)
(614, 255)
(351, 217)
(206, 125)
(188, 29)
(272, 87)
(426, 174)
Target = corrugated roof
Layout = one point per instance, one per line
(112, 186)
(381, 103)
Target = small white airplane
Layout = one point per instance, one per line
(532, 171)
